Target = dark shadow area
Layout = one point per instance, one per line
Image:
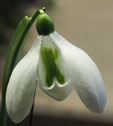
(12, 11)
(42, 120)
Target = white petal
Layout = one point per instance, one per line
(56, 89)
(22, 84)
(85, 75)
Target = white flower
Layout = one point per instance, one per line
(58, 66)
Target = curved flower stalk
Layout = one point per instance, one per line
(58, 66)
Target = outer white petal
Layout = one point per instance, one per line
(85, 75)
(56, 90)
(22, 84)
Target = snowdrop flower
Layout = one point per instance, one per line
(58, 66)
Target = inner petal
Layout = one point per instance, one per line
(51, 64)
(49, 57)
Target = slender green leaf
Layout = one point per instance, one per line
(14, 52)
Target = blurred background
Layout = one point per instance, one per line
(87, 24)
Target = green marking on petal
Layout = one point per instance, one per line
(49, 57)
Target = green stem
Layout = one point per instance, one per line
(31, 115)
(10, 64)
(3, 120)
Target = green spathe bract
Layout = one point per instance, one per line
(49, 57)
(44, 24)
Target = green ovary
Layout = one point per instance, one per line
(49, 56)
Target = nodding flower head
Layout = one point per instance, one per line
(57, 66)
